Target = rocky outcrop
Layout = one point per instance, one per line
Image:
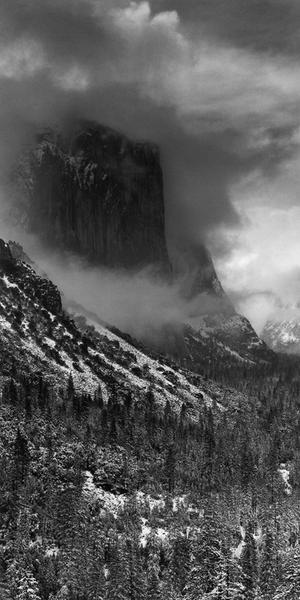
(18, 253)
(95, 192)
(99, 194)
(6, 257)
(15, 262)
(48, 295)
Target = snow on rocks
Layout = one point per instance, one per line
(111, 502)
(4, 323)
(168, 383)
(178, 502)
(50, 342)
(8, 283)
(146, 530)
(160, 534)
(152, 503)
(285, 475)
(52, 551)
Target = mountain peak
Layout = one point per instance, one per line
(95, 192)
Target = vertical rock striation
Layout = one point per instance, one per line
(99, 194)
(95, 192)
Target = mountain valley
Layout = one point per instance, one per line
(132, 468)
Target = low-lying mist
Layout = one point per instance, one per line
(140, 303)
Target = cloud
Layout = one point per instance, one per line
(139, 303)
(264, 25)
(262, 271)
(144, 71)
(218, 87)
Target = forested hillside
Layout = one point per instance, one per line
(126, 475)
(124, 499)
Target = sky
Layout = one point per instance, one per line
(215, 82)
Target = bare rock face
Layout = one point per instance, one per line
(99, 194)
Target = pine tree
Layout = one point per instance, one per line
(209, 434)
(180, 563)
(21, 459)
(268, 567)
(170, 466)
(289, 589)
(137, 584)
(27, 400)
(118, 584)
(228, 583)
(249, 563)
(247, 463)
(12, 393)
(207, 557)
(71, 397)
(150, 414)
(23, 585)
(153, 582)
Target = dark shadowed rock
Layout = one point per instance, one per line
(99, 194)
(18, 253)
(15, 261)
(6, 257)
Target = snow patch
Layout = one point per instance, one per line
(49, 342)
(4, 323)
(146, 530)
(148, 500)
(285, 475)
(8, 283)
(52, 551)
(110, 502)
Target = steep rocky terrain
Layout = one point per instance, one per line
(96, 192)
(283, 335)
(38, 335)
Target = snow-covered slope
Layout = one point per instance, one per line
(43, 339)
(283, 335)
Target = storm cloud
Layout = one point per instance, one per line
(215, 83)
(217, 109)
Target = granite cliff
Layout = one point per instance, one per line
(95, 192)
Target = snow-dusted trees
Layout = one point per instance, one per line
(269, 566)
(23, 585)
(249, 563)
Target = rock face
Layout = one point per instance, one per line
(95, 192)
(194, 267)
(99, 194)
(56, 344)
(15, 263)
